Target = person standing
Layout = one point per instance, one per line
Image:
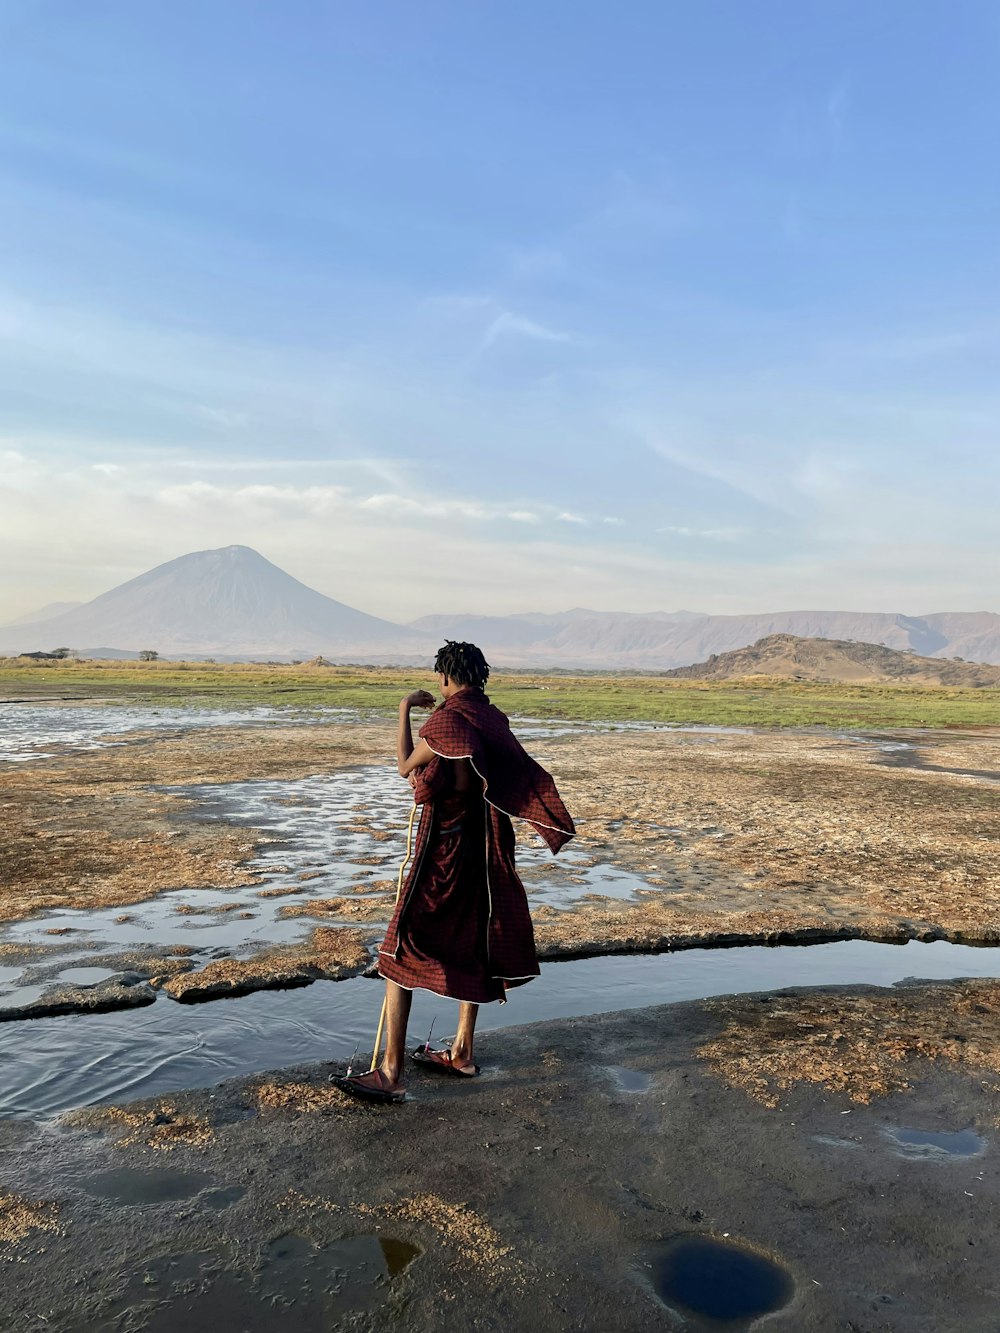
(461, 927)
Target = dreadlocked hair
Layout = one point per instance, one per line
(463, 663)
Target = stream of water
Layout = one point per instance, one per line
(49, 1065)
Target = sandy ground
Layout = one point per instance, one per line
(777, 834)
(741, 837)
(534, 1197)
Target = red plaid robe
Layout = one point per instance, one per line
(462, 926)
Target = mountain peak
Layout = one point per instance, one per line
(228, 601)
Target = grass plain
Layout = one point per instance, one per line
(755, 701)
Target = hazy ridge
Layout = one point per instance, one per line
(234, 603)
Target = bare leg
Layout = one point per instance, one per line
(398, 1001)
(461, 1047)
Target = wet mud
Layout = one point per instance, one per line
(328, 954)
(540, 1195)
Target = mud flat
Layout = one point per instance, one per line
(749, 837)
(744, 832)
(553, 1191)
(228, 842)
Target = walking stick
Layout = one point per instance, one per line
(399, 890)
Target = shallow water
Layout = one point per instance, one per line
(50, 1065)
(134, 1186)
(629, 1080)
(936, 1144)
(40, 731)
(320, 837)
(719, 1280)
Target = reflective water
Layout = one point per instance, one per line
(41, 730)
(132, 1185)
(629, 1080)
(936, 1144)
(723, 1281)
(329, 835)
(52, 1064)
(38, 731)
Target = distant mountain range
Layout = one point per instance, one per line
(789, 657)
(233, 603)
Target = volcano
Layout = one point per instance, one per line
(228, 602)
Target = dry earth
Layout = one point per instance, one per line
(777, 834)
(92, 830)
(741, 837)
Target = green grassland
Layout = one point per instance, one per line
(759, 702)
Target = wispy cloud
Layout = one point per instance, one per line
(510, 325)
(708, 534)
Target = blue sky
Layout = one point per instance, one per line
(495, 307)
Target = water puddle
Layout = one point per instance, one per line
(340, 835)
(41, 731)
(298, 1287)
(934, 1145)
(725, 1283)
(44, 730)
(130, 1186)
(19, 996)
(51, 1065)
(82, 976)
(629, 1080)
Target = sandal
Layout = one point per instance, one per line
(354, 1085)
(442, 1062)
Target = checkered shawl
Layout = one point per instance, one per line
(468, 726)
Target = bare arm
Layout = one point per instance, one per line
(408, 755)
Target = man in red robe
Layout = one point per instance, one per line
(461, 927)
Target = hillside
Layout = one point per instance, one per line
(658, 641)
(788, 656)
(228, 601)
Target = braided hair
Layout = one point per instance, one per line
(463, 663)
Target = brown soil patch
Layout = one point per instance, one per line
(221, 909)
(474, 1241)
(135, 960)
(90, 830)
(864, 1046)
(330, 953)
(766, 832)
(354, 909)
(19, 1217)
(301, 1098)
(160, 1127)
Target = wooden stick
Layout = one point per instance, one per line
(399, 890)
